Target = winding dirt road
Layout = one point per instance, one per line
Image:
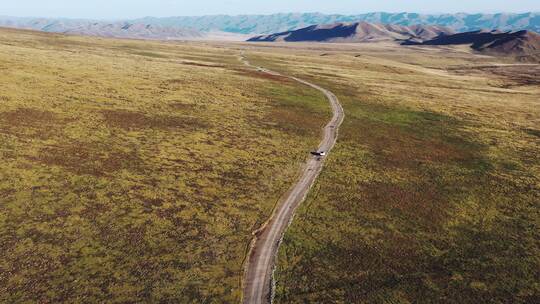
(258, 281)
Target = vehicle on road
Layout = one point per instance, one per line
(319, 153)
(258, 276)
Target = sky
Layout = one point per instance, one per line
(123, 9)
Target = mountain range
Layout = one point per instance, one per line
(267, 24)
(523, 45)
(118, 29)
(357, 32)
(237, 27)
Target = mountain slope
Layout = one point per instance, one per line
(522, 44)
(356, 32)
(518, 43)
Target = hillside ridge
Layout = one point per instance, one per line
(357, 32)
(524, 45)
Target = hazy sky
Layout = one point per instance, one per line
(117, 9)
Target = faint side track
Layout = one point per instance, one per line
(258, 281)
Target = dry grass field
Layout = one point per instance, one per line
(135, 172)
(432, 193)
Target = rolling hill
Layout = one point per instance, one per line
(522, 44)
(356, 32)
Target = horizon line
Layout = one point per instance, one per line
(263, 14)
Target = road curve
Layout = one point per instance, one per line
(258, 281)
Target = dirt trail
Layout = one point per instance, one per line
(258, 276)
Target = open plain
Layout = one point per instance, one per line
(136, 172)
(432, 192)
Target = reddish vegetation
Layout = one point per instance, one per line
(257, 74)
(415, 201)
(27, 117)
(511, 75)
(284, 120)
(407, 150)
(402, 148)
(130, 120)
(30, 122)
(84, 158)
(203, 65)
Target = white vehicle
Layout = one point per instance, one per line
(319, 153)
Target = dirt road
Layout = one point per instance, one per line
(258, 276)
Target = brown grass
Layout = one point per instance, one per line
(83, 158)
(130, 120)
(262, 75)
(27, 116)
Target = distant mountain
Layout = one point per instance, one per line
(357, 32)
(134, 30)
(525, 45)
(268, 24)
(103, 29)
(195, 27)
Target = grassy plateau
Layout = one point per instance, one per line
(432, 194)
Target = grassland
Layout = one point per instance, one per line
(432, 193)
(135, 172)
